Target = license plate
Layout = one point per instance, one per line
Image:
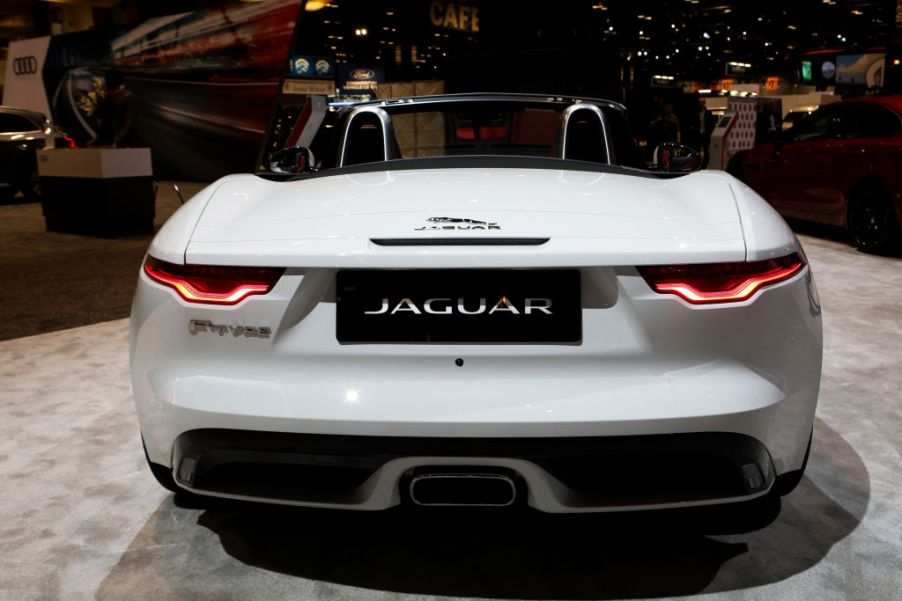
(459, 306)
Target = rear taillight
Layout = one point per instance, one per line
(213, 284)
(720, 282)
(71, 143)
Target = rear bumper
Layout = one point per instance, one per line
(489, 398)
(649, 365)
(578, 474)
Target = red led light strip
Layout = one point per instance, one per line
(191, 294)
(742, 291)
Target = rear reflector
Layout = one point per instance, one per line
(213, 284)
(720, 282)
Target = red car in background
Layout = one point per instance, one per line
(841, 165)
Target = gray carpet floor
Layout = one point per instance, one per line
(53, 281)
(82, 518)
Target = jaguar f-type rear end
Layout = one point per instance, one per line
(576, 339)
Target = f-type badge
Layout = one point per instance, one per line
(196, 326)
(457, 224)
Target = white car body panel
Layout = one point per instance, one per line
(607, 218)
(171, 241)
(766, 234)
(648, 363)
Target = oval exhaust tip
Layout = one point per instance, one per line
(463, 489)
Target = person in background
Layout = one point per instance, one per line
(766, 124)
(114, 112)
(664, 128)
(698, 130)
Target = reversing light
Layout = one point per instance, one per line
(720, 282)
(213, 284)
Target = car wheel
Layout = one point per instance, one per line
(872, 222)
(786, 483)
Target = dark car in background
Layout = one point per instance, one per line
(22, 132)
(839, 166)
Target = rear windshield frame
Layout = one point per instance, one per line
(477, 162)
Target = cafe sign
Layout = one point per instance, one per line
(455, 16)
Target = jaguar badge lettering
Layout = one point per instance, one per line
(447, 306)
(457, 224)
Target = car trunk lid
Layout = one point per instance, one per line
(447, 218)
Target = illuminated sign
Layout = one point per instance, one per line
(737, 68)
(356, 79)
(663, 81)
(452, 15)
(362, 74)
(310, 66)
(323, 67)
(771, 84)
(312, 87)
(806, 71)
(723, 85)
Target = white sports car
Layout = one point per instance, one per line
(476, 300)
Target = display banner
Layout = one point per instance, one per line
(311, 67)
(360, 79)
(860, 69)
(198, 88)
(24, 84)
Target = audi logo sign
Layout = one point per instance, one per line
(25, 65)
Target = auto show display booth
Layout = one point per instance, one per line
(97, 191)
